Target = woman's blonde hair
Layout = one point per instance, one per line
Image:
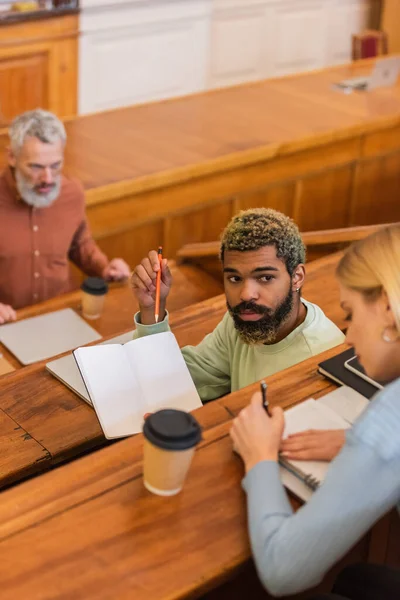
(372, 266)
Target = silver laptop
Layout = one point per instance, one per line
(42, 337)
(384, 74)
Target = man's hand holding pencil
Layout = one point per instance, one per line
(151, 283)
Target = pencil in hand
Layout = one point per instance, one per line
(158, 285)
(265, 403)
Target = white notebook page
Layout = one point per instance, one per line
(163, 374)
(113, 388)
(311, 414)
(346, 402)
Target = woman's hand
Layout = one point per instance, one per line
(255, 435)
(313, 444)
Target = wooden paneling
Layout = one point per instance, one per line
(279, 196)
(23, 84)
(377, 192)
(324, 200)
(38, 67)
(204, 224)
(133, 244)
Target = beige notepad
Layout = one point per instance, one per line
(42, 337)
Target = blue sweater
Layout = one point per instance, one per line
(292, 552)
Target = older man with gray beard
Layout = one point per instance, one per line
(42, 219)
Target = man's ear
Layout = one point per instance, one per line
(12, 161)
(298, 277)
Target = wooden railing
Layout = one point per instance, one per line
(324, 237)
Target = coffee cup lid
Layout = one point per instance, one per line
(172, 429)
(95, 286)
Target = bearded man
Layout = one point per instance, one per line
(42, 219)
(268, 326)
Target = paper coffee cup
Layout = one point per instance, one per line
(94, 290)
(170, 439)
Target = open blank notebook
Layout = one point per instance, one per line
(124, 382)
(337, 410)
(38, 338)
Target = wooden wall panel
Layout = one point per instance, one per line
(280, 197)
(38, 67)
(201, 225)
(323, 201)
(23, 84)
(134, 244)
(377, 194)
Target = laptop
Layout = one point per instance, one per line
(384, 74)
(42, 337)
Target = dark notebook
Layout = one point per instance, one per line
(334, 369)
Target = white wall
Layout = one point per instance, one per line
(136, 51)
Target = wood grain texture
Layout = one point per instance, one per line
(177, 170)
(98, 533)
(66, 426)
(38, 67)
(391, 23)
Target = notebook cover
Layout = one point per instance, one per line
(334, 369)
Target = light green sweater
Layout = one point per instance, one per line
(222, 363)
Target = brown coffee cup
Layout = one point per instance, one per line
(170, 439)
(94, 290)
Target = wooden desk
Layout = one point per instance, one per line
(173, 172)
(49, 424)
(190, 285)
(90, 529)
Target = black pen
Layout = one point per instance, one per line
(265, 403)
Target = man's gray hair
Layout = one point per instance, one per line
(36, 123)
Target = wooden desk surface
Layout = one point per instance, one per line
(149, 146)
(90, 529)
(50, 424)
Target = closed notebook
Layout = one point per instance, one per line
(334, 369)
(337, 410)
(124, 382)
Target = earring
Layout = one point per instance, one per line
(387, 338)
(297, 290)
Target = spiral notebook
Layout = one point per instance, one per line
(337, 410)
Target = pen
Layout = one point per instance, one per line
(265, 403)
(158, 285)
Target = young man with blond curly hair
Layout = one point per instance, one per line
(268, 326)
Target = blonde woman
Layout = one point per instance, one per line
(293, 551)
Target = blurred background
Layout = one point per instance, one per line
(82, 56)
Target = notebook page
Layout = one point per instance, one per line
(162, 372)
(346, 402)
(311, 414)
(113, 388)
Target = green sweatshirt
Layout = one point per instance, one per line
(223, 363)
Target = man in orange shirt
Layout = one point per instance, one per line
(42, 219)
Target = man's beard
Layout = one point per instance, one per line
(265, 330)
(29, 194)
